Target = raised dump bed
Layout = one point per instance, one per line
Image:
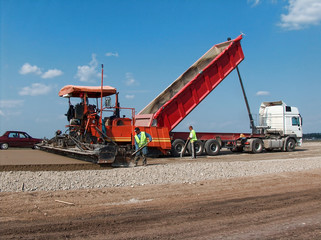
(171, 106)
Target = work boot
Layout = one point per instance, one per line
(144, 161)
(136, 161)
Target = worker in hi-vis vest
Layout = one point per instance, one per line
(140, 141)
(192, 138)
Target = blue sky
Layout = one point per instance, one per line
(145, 46)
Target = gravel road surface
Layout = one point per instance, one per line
(231, 196)
(179, 171)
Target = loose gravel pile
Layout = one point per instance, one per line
(185, 172)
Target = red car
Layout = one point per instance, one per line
(18, 139)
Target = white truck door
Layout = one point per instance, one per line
(293, 123)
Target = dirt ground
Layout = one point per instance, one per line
(276, 206)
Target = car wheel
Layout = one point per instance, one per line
(4, 146)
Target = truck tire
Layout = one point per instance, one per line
(257, 146)
(212, 147)
(290, 145)
(4, 146)
(199, 148)
(177, 147)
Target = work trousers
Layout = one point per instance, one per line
(193, 149)
(142, 153)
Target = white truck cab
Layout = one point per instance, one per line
(278, 119)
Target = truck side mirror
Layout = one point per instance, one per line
(107, 101)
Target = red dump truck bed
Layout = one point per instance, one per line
(170, 107)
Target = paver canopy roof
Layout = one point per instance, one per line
(92, 92)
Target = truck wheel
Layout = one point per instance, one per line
(177, 147)
(290, 145)
(199, 148)
(212, 147)
(257, 146)
(4, 146)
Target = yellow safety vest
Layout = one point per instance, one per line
(142, 141)
(193, 137)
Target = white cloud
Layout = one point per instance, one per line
(262, 93)
(13, 114)
(8, 114)
(111, 54)
(130, 80)
(51, 73)
(35, 89)
(301, 14)
(129, 96)
(88, 73)
(254, 2)
(11, 103)
(27, 68)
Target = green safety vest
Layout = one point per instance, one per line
(142, 141)
(193, 138)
